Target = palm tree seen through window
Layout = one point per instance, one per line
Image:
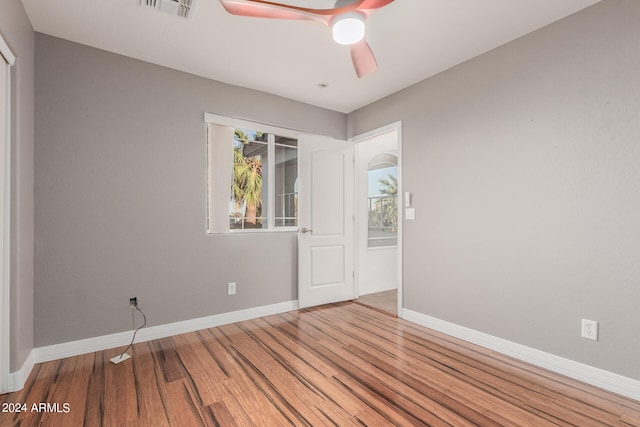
(255, 154)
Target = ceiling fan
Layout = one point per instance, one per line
(346, 19)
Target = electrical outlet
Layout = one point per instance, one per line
(133, 301)
(231, 288)
(590, 329)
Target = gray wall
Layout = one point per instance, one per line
(18, 33)
(525, 169)
(120, 195)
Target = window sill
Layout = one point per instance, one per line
(267, 230)
(257, 231)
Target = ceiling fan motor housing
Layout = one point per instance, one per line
(181, 8)
(348, 28)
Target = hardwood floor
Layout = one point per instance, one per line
(386, 301)
(336, 365)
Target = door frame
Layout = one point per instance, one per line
(5, 282)
(395, 126)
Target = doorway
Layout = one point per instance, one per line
(378, 220)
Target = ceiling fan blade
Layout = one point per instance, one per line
(373, 4)
(354, 5)
(258, 9)
(363, 60)
(362, 57)
(269, 9)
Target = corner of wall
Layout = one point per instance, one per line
(20, 36)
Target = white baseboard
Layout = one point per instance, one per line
(18, 378)
(588, 374)
(89, 345)
(585, 373)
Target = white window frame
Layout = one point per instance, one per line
(212, 199)
(387, 163)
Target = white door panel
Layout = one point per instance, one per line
(327, 265)
(327, 192)
(325, 242)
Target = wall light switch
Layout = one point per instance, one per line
(410, 213)
(407, 200)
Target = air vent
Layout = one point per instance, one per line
(181, 8)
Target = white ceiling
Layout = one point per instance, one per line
(412, 40)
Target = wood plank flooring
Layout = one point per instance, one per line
(385, 301)
(335, 365)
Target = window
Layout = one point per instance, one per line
(286, 182)
(255, 155)
(253, 176)
(382, 205)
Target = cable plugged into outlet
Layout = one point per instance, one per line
(133, 303)
(590, 329)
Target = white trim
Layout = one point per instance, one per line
(356, 219)
(248, 124)
(6, 52)
(18, 379)
(588, 374)
(398, 126)
(5, 282)
(236, 121)
(106, 342)
(271, 181)
(261, 230)
(377, 132)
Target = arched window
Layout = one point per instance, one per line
(382, 201)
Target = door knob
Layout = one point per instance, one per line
(304, 230)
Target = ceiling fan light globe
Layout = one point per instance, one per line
(348, 28)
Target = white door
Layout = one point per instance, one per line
(325, 217)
